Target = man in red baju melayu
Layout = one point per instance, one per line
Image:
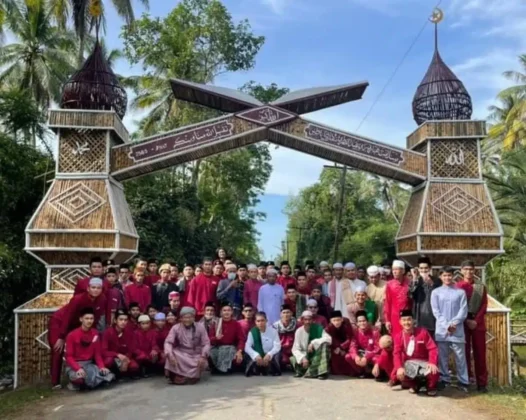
(341, 333)
(397, 298)
(202, 289)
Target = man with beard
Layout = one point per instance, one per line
(252, 286)
(376, 289)
(340, 290)
(397, 298)
(186, 348)
(209, 320)
(271, 297)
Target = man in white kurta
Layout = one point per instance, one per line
(340, 290)
(310, 352)
(263, 349)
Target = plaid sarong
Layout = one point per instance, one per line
(222, 357)
(93, 376)
(319, 363)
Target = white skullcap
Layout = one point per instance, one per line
(373, 270)
(306, 314)
(271, 272)
(143, 318)
(359, 289)
(95, 281)
(252, 267)
(337, 265)
(324, 264)
(350, 266)
(398, 264)
(312, 302)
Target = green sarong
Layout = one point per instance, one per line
(318, 359)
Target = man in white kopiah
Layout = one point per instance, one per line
(340, 290)
(376, 289)
(350, 272)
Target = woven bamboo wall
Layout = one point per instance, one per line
(72, 240)
(459, 243)
(412, 162)
(82, 151)
(406, 245)
(88, 120)
(497, 347)
(409, 224)
(73, 257)
(66, 278)
(76, 204)
(458, 208)
(464, 153)
(127, 242)
(437, 129)
(33, 350)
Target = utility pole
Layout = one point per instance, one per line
(340, 214)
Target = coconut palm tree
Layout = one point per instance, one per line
(85, 12)
(42, 56)
(506, 125)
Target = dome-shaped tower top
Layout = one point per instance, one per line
(95, 86)
(440, 95)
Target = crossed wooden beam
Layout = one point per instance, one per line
(248, 121)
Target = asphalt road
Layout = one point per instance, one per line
(239, 398)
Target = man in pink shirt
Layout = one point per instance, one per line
(252, 286)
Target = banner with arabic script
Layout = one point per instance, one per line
(179, 141)
(354, 144)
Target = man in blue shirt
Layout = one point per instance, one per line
(450, 308)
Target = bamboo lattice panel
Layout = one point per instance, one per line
(458, 208)
(82, 151)
(455, 259)
(72, 240)
(412, 213)
(33, 348)
(497, 347)
(454, 159)
(127, 242)
(73, 257)
(67, 278)
(74, 204)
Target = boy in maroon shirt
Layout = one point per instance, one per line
(84, 364)
(151, 276)
(248, 322)
(415, 345)
(365, 348)
(285, 279)
(146, 347)
(118, 346)
(133, 316)
(96, 270)
(138, 292)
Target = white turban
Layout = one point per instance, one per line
(359, 289)
(252, 267)
(337, 265)
(143, 318)
(350, 266)
(271, 272)
(398, 264)
(312, 302)
(306, 314)
(95, 281)
(373, 270)
(324, 264)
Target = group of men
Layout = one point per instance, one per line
(386, 322)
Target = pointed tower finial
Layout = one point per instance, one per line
(440, 95)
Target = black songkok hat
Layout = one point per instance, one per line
(309, 262)
(297, 267)
(336, 314)
(262, 264)
(153, 261)
(405, 313)
(285, 307)
(111, 271)
(360, 313)
(242, 266)
(284, 263)
(225, 304)
(271, 263)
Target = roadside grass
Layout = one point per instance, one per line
(12, 402)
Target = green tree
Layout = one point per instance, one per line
(368, 226)
(21, 276)
(41, 58)
(197, 41)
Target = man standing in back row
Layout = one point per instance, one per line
(271, 297)
(397, 298)
(475, 324)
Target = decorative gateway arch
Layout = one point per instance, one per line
(450, 216)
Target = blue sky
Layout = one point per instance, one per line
(320, 43)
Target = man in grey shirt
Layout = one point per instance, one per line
(450, 308)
